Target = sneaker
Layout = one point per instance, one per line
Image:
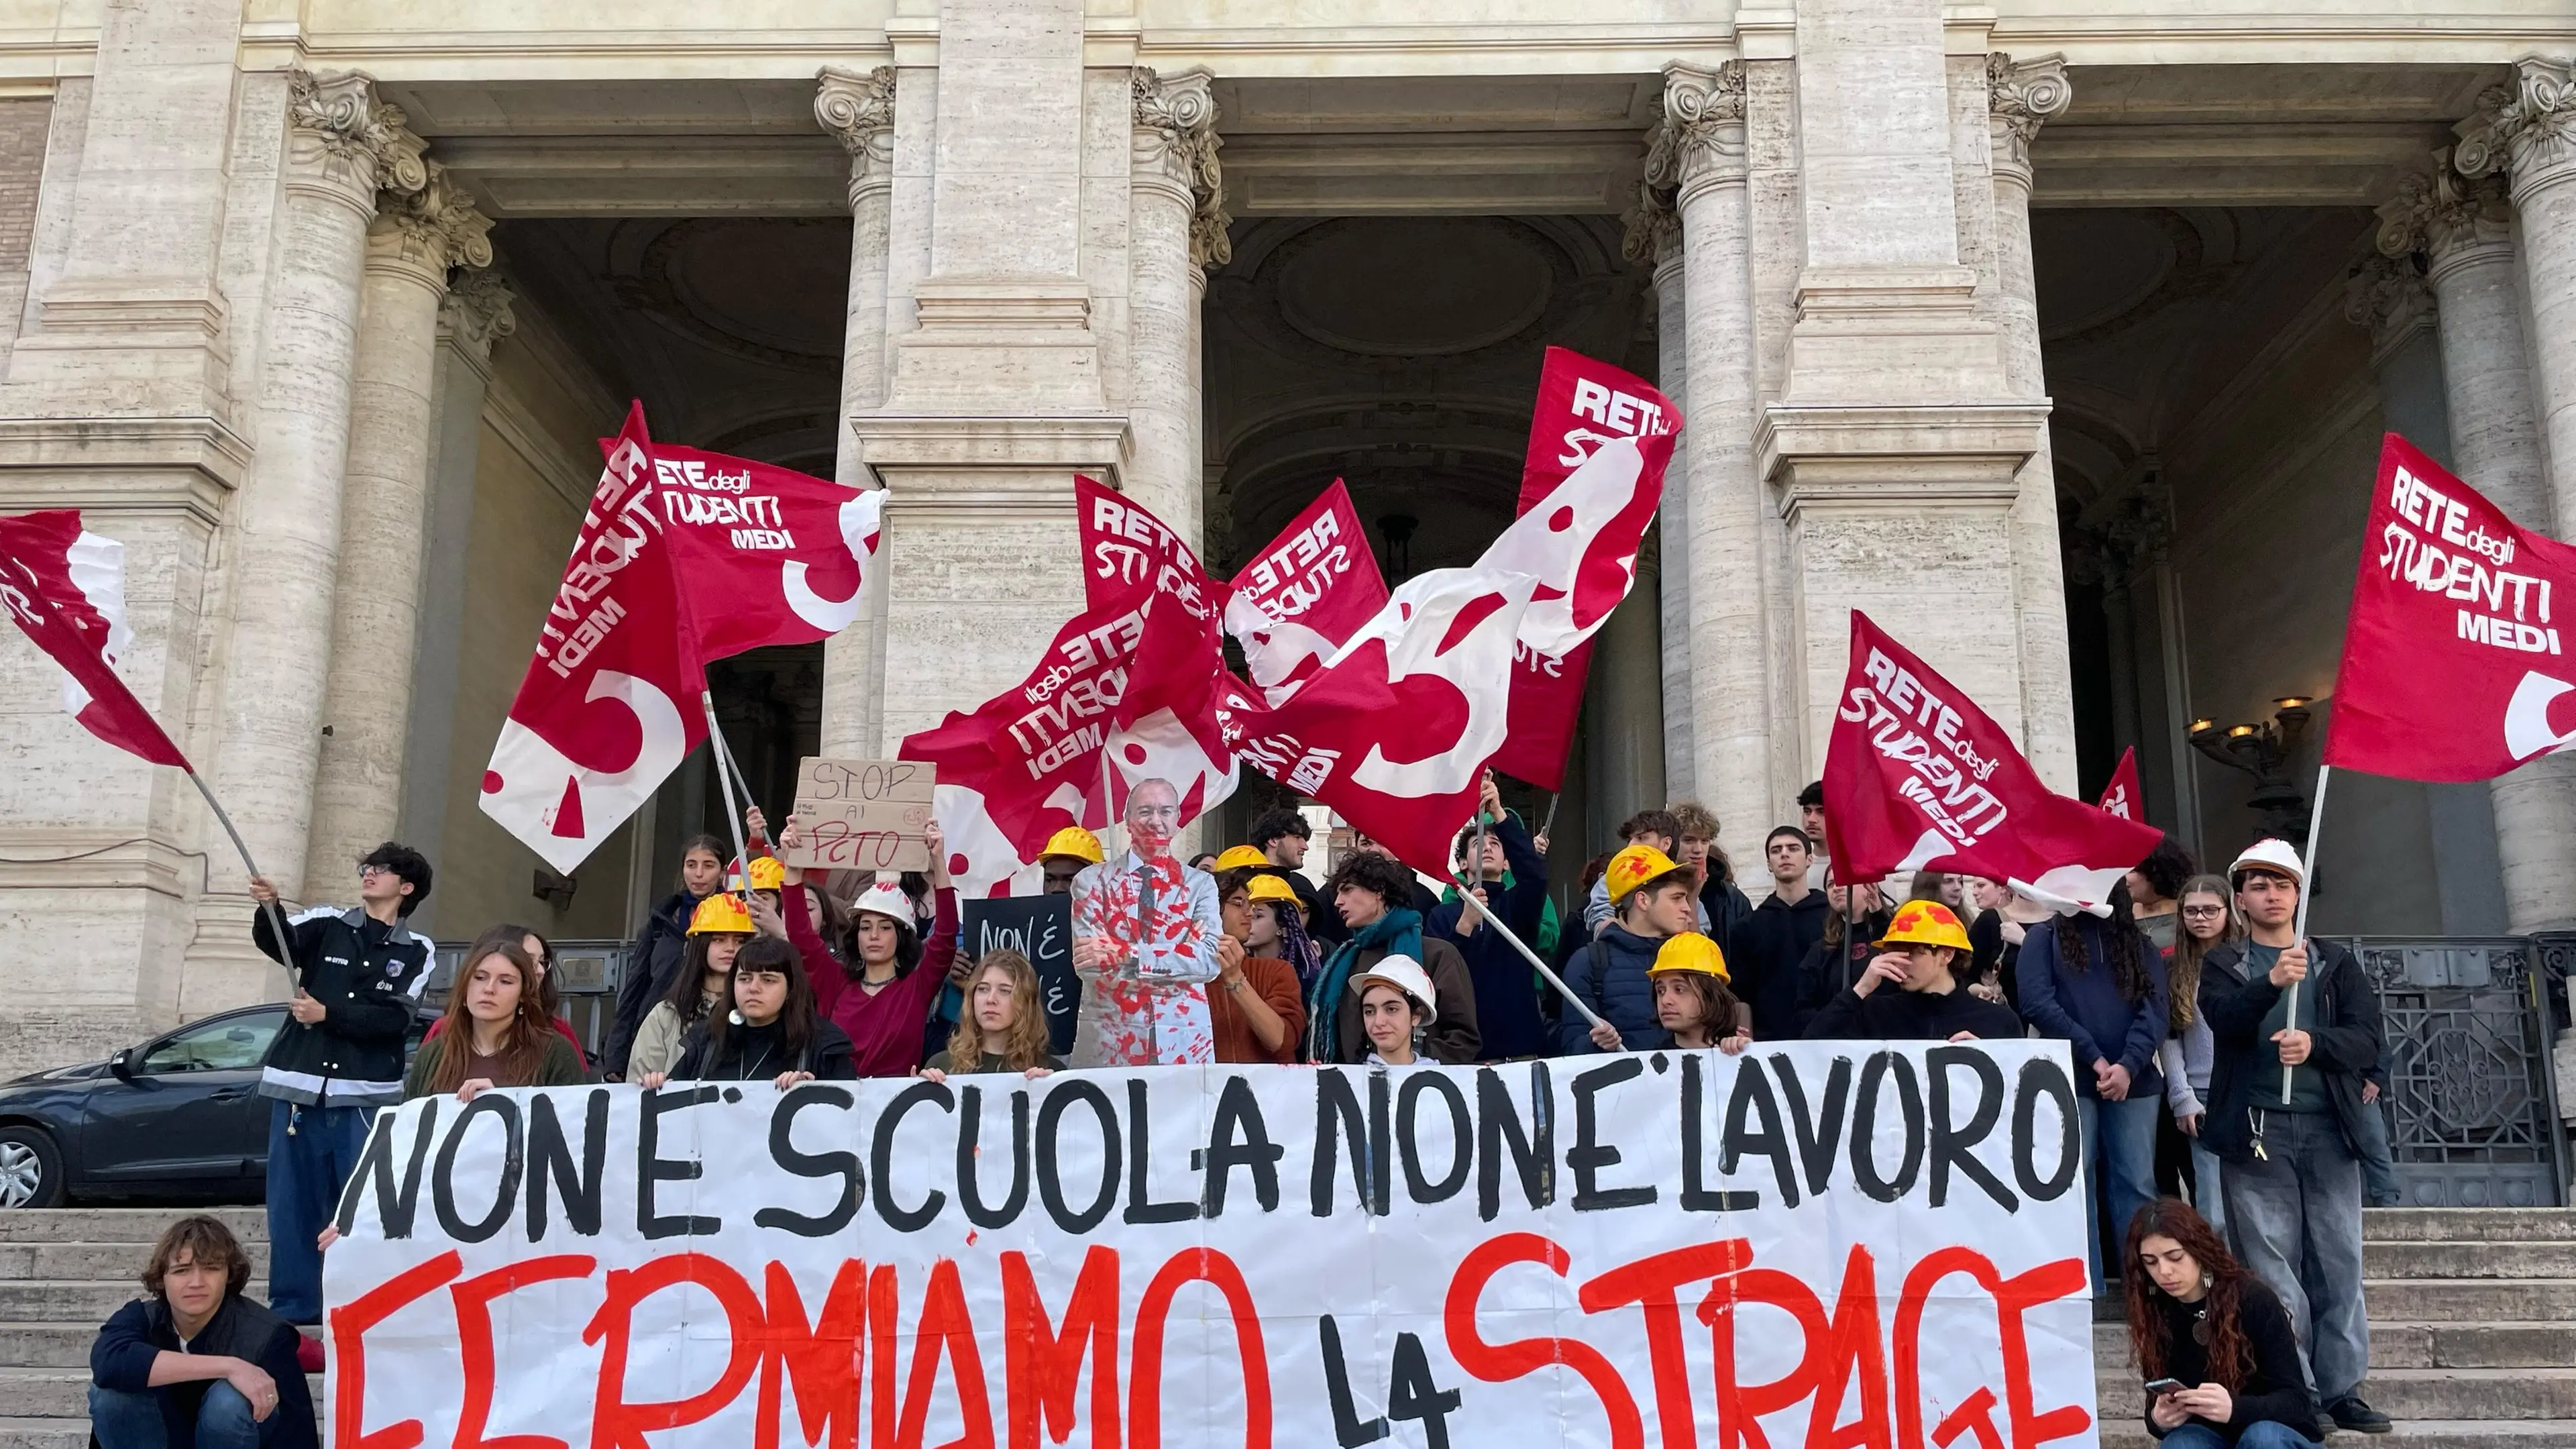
(2349, 1412)
(308, 1354)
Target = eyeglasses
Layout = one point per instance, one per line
(2203, 913)
(371, 868)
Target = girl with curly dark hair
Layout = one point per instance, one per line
(2213, 1344)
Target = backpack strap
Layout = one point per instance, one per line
(1600, 950)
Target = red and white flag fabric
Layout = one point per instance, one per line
(683, 556)
(1395, 730)
(66, 588)
(2124, 796)
(1583, 406)
(2454, 663)
(1305, 594)
(1918, 778)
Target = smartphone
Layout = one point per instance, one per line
(2160, 1387)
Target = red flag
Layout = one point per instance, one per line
(1918, 778)
(768, 555)
(2124, 796)
(1164, 725)
(1394, 733)
(1306, 594)
(66, 588)
(2454, 667)
(1582, 404)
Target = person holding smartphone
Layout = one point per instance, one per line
(2215, 1344)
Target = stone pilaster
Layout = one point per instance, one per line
(475, 314)
(368, 706)
(343, 146)
(2022, 97)
(2528, 130)
(859, 111)
(2460, 228)
(1654, 241)
(1898, 440)
(1176, 229)
(1623, 751)
(1699, 150)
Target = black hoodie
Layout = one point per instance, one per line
(1774, 940)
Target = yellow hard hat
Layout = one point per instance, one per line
(1690, 951)
(1074, 841)
(1633, 867)
(1926, 923)
(768, 873)
(1242, 857)
(1272, 888)
(721, 915)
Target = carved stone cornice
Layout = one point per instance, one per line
(476, 313)
(430, 230)
(2390, 298)
(859, 110)
(2021, 97)
(345, 143)
(1175, 148)
(2527, 128)
(2439, 212)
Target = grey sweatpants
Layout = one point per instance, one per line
(2295, 1216)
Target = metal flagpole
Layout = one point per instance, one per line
(1527, 954)
(2307, 892)
(276, 917)
(724, 757)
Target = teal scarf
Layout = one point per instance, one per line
(1397, 933)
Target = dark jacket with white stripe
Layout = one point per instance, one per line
(367, 975)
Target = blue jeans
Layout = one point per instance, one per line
(306, 1168)
(122, 1420)
(2295, 1213)
(2378, 1163)
(2119, 1147)
(2206, 1192)
(2261, 1434)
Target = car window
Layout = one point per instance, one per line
(224, 1044)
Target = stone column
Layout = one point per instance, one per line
(384, 523)
(2528, 130)
(859, 109)
(473, 315)
(1624, 751)
(2020, 98)
(1655, 240)
(2461, 230)
(1176, 208)
(1699, 150)
(343, 146)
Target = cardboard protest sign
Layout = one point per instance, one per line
(1040, 928)
(1816, 1243)
(863, 814)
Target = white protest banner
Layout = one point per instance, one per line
(1825, 1243)
(862, 814)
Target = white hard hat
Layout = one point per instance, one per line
(1404, 974)
(885, 898)
(2276, 856)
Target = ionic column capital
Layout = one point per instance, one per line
(859, 110)
(429, 230)
(2527, 129)
(2391, 299)
(476, 313)
(345, 144)
(2442, 213)
(2021, 97)
(1175, 152)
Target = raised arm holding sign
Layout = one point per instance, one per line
(866, 815)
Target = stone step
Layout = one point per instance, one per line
(2440, 1393)
(2132, 1433)
(28, 1433)
(2498, 1225)
(36, 1300)
(96, 1262)
(63, 1393)
(2456, 1258)
(2392, 1346)
(2462, 1300)
(120, 1225)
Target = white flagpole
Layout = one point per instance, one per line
(2307, 893)
(276, 917)
(1527, 954)
(724, 776)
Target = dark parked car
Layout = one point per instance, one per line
(177, 1119)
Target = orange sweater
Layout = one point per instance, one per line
(1276, 981)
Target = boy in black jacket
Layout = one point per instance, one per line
(197, 1365)
(2293, 1155)
(357, 976)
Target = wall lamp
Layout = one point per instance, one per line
(2267, 752)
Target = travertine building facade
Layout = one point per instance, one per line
(2058, 336)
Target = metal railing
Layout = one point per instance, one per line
(587, 972)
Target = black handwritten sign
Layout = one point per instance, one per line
(1040, 928)
(862, 815)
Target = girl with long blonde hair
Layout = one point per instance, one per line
(1004, 1025)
